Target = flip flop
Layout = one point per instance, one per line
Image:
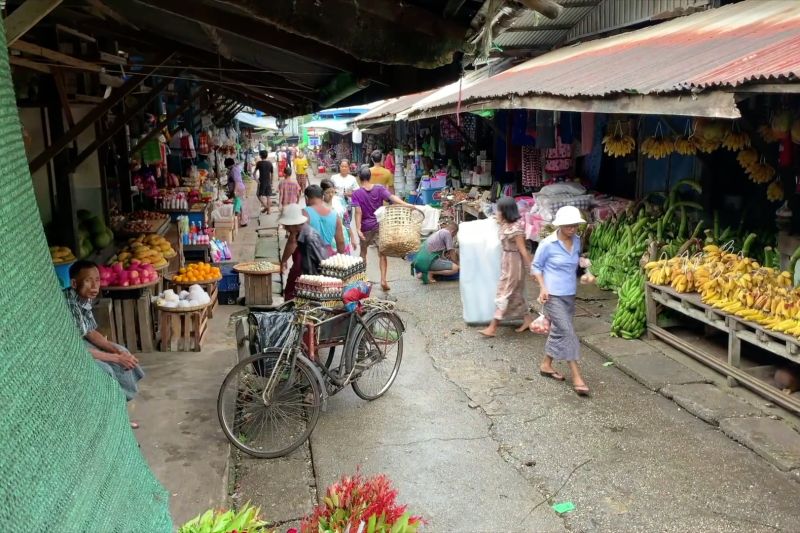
(486, 335)
(552, 375)
(581, 391)
(135, 425)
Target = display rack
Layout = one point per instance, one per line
(737, 330)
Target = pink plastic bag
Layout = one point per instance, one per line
(541, 325)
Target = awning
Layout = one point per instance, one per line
(328, 124)
(692, 65)
(262, 123)
(387, 111)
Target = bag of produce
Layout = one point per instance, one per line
(541, 325)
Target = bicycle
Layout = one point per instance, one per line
(270, 401)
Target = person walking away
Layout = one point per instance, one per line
(282, 160)
(381, 176)
(338, 204)
(113, 359)
(304, 247)
(324, 220)
(239, 204)
(555, 267)
(366, 200)
(288, 189)
(437, 255)
(301, 169)
(510, 300)
(263, 172)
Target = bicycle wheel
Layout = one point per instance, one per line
(277, 426)
(376, 358)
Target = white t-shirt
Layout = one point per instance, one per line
(344, 184)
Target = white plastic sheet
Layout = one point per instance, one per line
(479, 249)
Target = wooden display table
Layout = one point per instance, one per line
(738, 331)
(182, 329)
(132, 316)
(211, 287)
(257, 286)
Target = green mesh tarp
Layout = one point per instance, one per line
(68, 457)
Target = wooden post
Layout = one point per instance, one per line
(734, 348)
(651, 310)
(26, 16)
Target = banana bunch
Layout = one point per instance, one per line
(704, 145)
(657, 147)
(768, 134)
(618, 145)
(736, 140)
(775, 191)
(629, 320)
(761, 172)
(747, 158)
(685, 146)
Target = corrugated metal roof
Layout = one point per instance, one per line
(389, 109)
(729, 46)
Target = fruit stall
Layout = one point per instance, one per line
(708, 265)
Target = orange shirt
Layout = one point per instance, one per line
(381, 176)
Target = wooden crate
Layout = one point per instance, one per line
(257, 289)
(133, 322)
(182, 331)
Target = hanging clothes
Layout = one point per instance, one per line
(545, 129)
(203, 143)
(187, 146)
(519, 128)
(587, 133)
(532, 166)
(558, 160)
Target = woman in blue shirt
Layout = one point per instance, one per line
(555, 267)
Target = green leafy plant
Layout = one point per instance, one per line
(246, 520)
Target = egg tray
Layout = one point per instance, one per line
(330, 304)
(343, 273)
(317, 297)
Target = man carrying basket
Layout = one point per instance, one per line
(366, 200)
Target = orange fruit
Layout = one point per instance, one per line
(182, 271)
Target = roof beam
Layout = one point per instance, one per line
(58, 57)
(92, 116)
(26, 17)
(548, 8)
(550, 27)
(120, 122)
(245, 26)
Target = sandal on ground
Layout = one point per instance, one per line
(134, 425)
(581, 391)
(552, 375)
(487, 335)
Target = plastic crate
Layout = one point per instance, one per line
(62, 271)
(230, 278)
(430, 195)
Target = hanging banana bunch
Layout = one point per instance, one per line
(657, 146)
(735, 139)
(775, 191)
(747, 158)
(761, 172)
(768, 134)
(618, 144)
(684, 145)
(705, 145)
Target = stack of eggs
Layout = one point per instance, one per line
(347, 268)
(194, 297)
(319, 288)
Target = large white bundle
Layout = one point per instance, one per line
(479, 249)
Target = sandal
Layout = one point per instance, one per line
(552, 375)
(581, 390)
(134, 425)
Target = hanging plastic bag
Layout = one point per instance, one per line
(541, 325)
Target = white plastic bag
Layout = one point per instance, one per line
(541, 325)
(479, 248)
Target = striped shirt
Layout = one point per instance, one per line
(289, 191)
(81, 309)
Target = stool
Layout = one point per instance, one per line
(182, 330)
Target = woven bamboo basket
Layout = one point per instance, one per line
(400, 230)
